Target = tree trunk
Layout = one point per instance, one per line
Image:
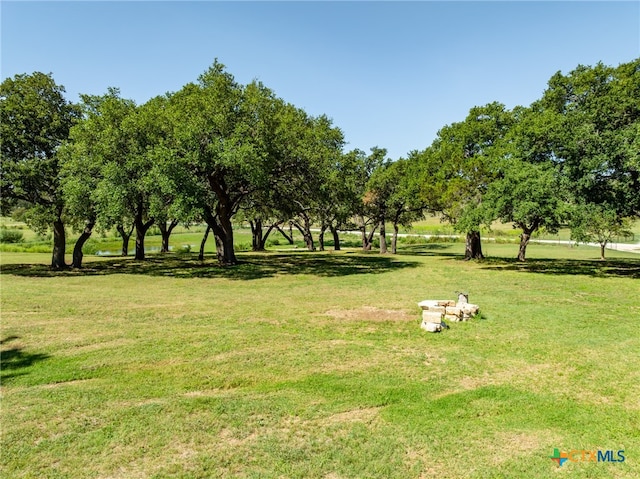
(222, 229)
(59, 245)
(365, 244)
(256, 235)
(323, 228)
(165, 231)
(473, 247)
(288, 237)
(394, 239)
(77, 249)
(306, 232)
(259, 240)
(602, 247)
(383, 237)
(367, 239)
(336, 238)
(223, 234)
(527, 231)
(202, 243)
(524, 241)
(125, 238)
(141, 231)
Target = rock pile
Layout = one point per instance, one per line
(435, 311)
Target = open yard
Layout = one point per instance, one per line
(313, 365)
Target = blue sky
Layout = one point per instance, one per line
(389, 74)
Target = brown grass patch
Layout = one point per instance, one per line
(506, 445)
(366, 415)
(371, 313)
(529, 373)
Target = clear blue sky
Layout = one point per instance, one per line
(390, 74)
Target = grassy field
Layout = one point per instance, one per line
(313, 365)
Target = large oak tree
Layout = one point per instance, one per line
(35, 119)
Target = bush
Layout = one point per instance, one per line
(446, 239)
(412, 240)
(11, 236)
(184, 249)
(243, 247)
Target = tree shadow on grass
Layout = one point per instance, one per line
(15, 361)
(611, 268)
(251, 266)
(429, 249)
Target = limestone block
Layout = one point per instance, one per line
(446, 303)
(431, 327)
(432, 316)
(453, 318)
(437, 309)
(427, 303)
(468, 308)
(453, 310)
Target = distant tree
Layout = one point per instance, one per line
(398, 189)
(597, 223)
(83, 158)
(114, 145)
(323, 153)
(527, 189)
(458, 167)
(229, 147)
(371, 211)
(302, 190)
(529, 195)
(340, 196)
(167, 208)
(35, 120)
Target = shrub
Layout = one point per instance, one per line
(184, 249)
(11, 236)
(244, 247)
(412, 240)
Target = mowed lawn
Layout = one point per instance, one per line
(313, 365)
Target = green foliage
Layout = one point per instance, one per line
(528, 195)
(459, 165)
(596, 112)
(35, 119)
(184, 249)
(11, 235)
(597, 223)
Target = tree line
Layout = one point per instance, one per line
(218, 151)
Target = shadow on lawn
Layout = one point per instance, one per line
(429, 249)
(613, 268)
(251, 266)
(15, 360)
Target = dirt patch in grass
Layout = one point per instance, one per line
(507, 445)
(370, 313)
(73, 382)
(366, 415)
(74, 349)
(530, 372)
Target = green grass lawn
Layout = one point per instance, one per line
(313, 365)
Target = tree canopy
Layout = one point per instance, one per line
(217, 151)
